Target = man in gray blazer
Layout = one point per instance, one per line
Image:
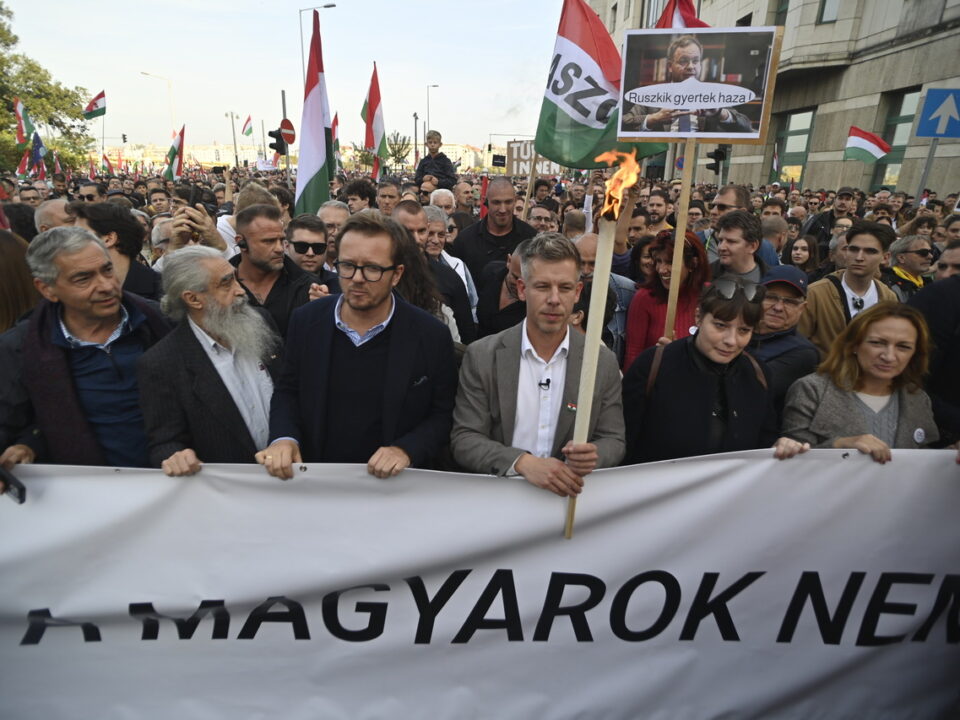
(517, 400)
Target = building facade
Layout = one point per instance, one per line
(867, 63)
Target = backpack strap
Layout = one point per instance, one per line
(761, 378)
(843, 297)
(654, 369)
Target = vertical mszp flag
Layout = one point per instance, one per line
(96, 107)
(579, 115)
(375, 138)
(174, 167)
(315, 167)
(24, 124)
(865, 146)
(247, 126)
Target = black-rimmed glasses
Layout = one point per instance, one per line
(371, 273)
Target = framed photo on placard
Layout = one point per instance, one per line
(714, 83)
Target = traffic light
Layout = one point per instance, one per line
(280, 146)
(124, 136)
(718, 156)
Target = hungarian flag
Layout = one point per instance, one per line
(92, 174)
(56, 163)
(24, 165)
(375, 139)
(24, 124)
(106, 164)
(316, 141)
(247, 127)
(679, 14)
(573, 129)
(865, 146)
(174, 167)
(96, 107)
(335, 137)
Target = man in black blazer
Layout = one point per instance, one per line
(205, 389)
(367, 377)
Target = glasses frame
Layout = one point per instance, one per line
(378, 269)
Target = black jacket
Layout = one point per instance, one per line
(143, 281)
(440, 167)
(477, 247)
(788, 356)
(940, 305)
(186, 405)
(454, 294)
(675, 420)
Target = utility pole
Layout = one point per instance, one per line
(416, 148)
(236, 156)
(283, 102)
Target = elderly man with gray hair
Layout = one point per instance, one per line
(68, 383)
(205, 389)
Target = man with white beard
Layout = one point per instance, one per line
(205, 389)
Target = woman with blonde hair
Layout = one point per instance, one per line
(867, 395)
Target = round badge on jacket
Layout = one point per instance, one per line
(919, 436)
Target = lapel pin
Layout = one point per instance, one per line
(572, 407)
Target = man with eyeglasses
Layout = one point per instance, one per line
(835, 300)
(367, 377)
(30, 196)
(787, 355)
(684, 58)
(911, 258)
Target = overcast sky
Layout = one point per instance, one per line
(490, 59)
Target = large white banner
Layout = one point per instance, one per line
(734, 586)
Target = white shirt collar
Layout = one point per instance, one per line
(527, 347)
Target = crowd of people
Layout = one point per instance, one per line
(438, 321)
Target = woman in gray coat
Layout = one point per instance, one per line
(867, 394)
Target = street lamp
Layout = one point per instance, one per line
(428, 111)
(303, 65)
(233, 116)
(416, 147)
(173, 125)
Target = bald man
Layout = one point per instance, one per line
(53, 213)
(496, 235)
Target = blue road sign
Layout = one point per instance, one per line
(940, 116)
(680, 163)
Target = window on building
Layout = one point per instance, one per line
(627, 7)
(780, 8)
(745, 21)
(902, 107)
(793, 143)
(613, 15)
(828, 11)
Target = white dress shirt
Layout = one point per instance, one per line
(871, 298)
(539, 395)
(247, 381)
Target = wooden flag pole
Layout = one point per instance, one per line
(677, 267)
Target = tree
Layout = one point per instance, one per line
(56, 110)
(362, 157)
(399, 147)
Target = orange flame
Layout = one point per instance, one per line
(625, 177)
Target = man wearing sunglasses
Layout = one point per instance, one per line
(833, 301)
(91, 192)
(911, 258)
(367, 377)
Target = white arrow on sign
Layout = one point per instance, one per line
(945, 113)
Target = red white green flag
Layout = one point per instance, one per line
(174, 167)
(865, 146)
(335, 137)
(575, 129)
(315, 168)
(56, 163)
(375, 138)
(24, 165)
(24, 124)
(92, 173)
(96, 107)
(106, 165)
(247, 127)
(679, 14)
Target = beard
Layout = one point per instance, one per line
(242, 329)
